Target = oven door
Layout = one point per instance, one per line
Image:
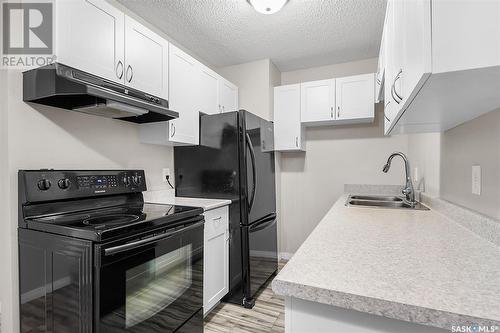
(151, 284)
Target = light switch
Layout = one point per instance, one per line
(476, 179)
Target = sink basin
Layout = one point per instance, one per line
(376, 197)
(381, 201)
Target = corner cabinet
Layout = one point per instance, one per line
(288, 131)
(317, 101)
(440, 72)
(216, 257)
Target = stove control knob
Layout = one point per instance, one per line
(137, 180)
(44, 184)
(126, 181)
(64, 184)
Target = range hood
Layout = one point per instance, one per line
(68, 88)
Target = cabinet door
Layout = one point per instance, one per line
(317, 100)
(182, 86)
(90, 38)
(287, 126)
(228, 96)
(395, 53)
(416, 56)
(355, 97)
(146, 59)
(216, 257)
(209, 91)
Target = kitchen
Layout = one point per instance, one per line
(342, 97)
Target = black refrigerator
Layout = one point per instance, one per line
(235, 160)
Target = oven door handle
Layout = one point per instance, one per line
(146, 241)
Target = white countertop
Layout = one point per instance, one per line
(417, 266)
(167, 197)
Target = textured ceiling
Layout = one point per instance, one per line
(305, 33)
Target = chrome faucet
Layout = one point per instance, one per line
(408, 190)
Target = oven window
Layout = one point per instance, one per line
(154, 285)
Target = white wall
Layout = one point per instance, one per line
(476, 142)
(330, 71)
(4, 206)
(312, 181)
(424, 153)
(44, 137)
(253, 80)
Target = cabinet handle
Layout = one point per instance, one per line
(338, 112)
(129, 70)
(395, 96)
(395, 91)
(119, 69)
(217, 218)
(172, 130)
(297, 141)
(386, 118)
(331, 111)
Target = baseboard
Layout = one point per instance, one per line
(285, 256)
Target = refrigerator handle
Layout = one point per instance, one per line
(254, 172)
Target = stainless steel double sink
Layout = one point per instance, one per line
(381, 201)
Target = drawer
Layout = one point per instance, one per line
(216, 222)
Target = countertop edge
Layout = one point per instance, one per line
(379, 307)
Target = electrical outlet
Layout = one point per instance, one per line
(165, 174)
(476, 179)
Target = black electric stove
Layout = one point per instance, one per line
(93, 257)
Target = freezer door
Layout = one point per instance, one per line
(263, 252)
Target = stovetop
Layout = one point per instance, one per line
(96, 205)
(110, 222)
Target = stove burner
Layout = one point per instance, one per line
(111, 219)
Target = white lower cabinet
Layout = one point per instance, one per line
(216, 257)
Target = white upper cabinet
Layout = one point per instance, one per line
(184, 82)
(380, 75)
(146, 59)
(228, 96)
(90, 37)
(441, 70)
(95, 37)
(355, 98)
(288, 130)
(317, 101)
(208, 91)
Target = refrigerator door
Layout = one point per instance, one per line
(259, 230)
(212, 170)
(259, 171)
(263, 243)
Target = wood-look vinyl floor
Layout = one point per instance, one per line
(267, 316)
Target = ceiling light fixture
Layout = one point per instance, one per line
(267, 6)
